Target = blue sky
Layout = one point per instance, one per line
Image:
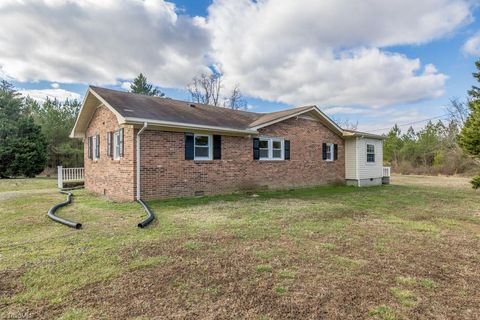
(385, 64)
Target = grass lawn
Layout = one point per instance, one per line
(405, 251)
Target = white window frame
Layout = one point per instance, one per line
(210, 148)
(374, 156)
(116, 145)
(94, 148)
(331, 147)
(270, 149)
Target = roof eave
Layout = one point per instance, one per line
(171, 124)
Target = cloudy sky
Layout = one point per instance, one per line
(373, 61)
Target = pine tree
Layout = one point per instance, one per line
(392, 146)
(140, 85)
(469, 138)
(22, 145)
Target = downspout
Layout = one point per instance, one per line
(145, 125)
(150, 215)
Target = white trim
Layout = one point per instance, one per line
(331, 146)
(270, 149)
(313, 108)
(367, 153)
(171, 124)
(120, 119)
(94, 147)
(116, 144)
(210, 148)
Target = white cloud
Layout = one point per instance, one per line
(331, 52)
(55, 85)
(41, 95)
(98, 42)
(126, 85)
(472, 46)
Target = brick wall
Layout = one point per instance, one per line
(113, 178)
(165, 173)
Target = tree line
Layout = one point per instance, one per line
(444, 147)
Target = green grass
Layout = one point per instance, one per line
(404, 297)
(230, 253)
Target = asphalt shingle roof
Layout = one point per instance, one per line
(132, 105)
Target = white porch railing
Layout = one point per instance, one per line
(386, 171)
(69, 174)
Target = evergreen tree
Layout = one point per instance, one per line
(140, 85)
(57, 120)
(392, 146)
(22, 145)
(469, 138)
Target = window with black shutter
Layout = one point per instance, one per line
(287, 149)
(328, 151)
(256, 149)
(335, 152)
(109, 144)
(90, 154)
(189, 147)
(120, 143)
(97, 147)
(217, 147)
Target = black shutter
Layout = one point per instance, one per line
(121, 142)
(324, 151)
(286, 145)
(97, 150)
(335, 152)
(89, 147)
(217, 147)
(256, 148)
(189, 147)
(109, 144)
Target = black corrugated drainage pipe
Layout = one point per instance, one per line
(150, 215)
(51, 212)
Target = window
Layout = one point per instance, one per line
(370, 153)
(271, 149)
(330, 152)
(116, 145)
(94, 147)
(203, 147)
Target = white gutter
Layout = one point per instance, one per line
(171, 124)
(145, 124)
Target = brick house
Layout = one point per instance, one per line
(171, 148)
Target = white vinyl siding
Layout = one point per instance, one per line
(356, 165)
(350, 159)
(367, 170)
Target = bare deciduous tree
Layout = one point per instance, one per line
(457, 112)
(346, 124)
(235, 101)
(207, 89)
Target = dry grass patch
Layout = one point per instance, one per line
(395, 252)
